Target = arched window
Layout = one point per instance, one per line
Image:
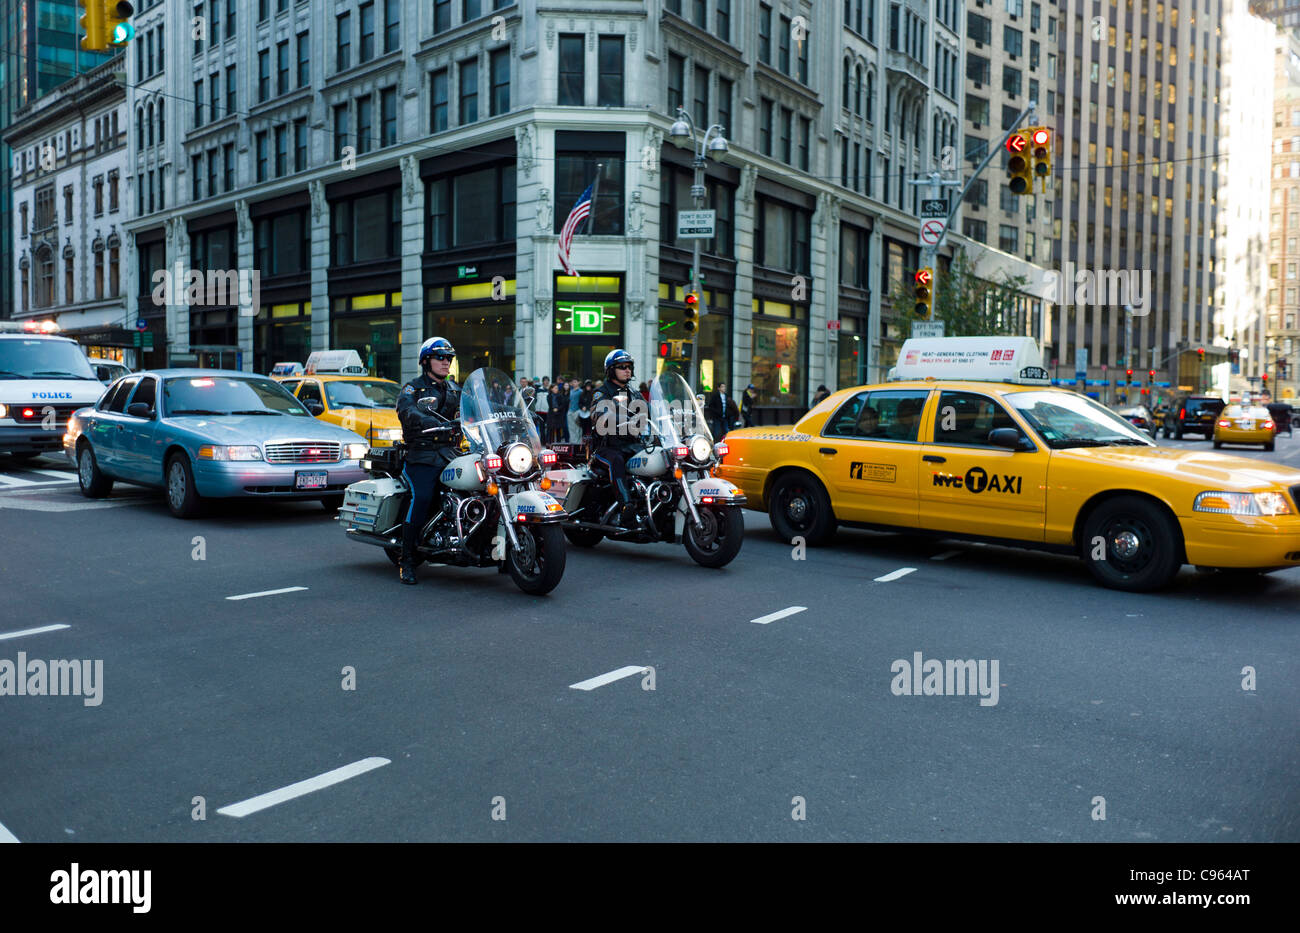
(871, 94)
(45, 277)
(150, 120)
(848, 87)
(139, 127)
(857, 74)
(162, 121)
(114, 273)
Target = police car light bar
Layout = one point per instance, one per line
(29, 327)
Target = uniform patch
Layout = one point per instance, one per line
(408, 390)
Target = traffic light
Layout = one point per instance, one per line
(1200, 354)
(1151, 377)
(1041, 139)
(691, 317)
(1020, 176)
(1281, 369)
(924, 294)
(666, 349)
(1266, 380)
(94, 28)
(1128, 375)
(116, 14)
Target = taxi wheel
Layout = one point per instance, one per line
(1142, 545)
(94, 484)
(800, 508)
(1269, 446)
(182, 498)
(1218, 445)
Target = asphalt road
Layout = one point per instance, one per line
(463, 686)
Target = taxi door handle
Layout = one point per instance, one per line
(828, 450)
(931, 458)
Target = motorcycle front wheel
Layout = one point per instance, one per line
(537, 564)
(716, 541)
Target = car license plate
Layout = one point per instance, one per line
(306, 480)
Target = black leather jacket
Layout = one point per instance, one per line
(612, 423)
(422, 447)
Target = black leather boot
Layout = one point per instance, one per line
(406, 563)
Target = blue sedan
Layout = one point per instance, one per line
(205, 433)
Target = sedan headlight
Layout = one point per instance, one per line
(386, 434)
(214, 452)
(354, 451)
(519, 459)
(701, 449)
(1242, 503)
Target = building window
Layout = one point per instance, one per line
(439, 90)
(783, 47)
(575, 170)
(282, 243)
(300, 145)
(767, 111)
(609, 86)
(232, 99)
(1008, 238)
(765, 33)
(67, 204)
(99, 274)
(724, 105)
(99, 198)
(67, 280)
(784, 237)
(113, 178)
(787, 126)
(676, 82)
(1014, 40)
(196, 178)
(263, 75)
(340, 129)
(365, 123)
(282, 68)
(441, 15)
(367, 227)
(392, 25)
(805, 142)
(388, 116)
(978, 28)
(281, 151)
(474, 207)
(228, 165)
(343, 50)
(573, 77)
(367, 50)
(723, 20)
(500, 77)
(1011, 80)
(214, 97)
(260, 142)
(701, 81)
(198, 103)
(468, 91)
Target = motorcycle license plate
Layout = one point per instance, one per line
(303, 479)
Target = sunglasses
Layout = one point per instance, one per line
(623, 366)
(444, 357)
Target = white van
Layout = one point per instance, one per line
(43, 380)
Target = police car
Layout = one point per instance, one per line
(969, 440)
(44, 378)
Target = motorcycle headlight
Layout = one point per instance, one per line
(1242, 503)
(701, 449)
(354, 451)
(519, 459)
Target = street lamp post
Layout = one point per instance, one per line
(683, 133)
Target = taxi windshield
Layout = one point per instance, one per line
(361, 393)
(1064, 419)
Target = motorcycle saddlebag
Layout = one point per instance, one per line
(374, 505)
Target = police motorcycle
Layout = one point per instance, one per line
(676, 495)
(492, 509)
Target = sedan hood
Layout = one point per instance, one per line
(1219, 470)
(262, 429)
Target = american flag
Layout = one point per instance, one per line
(576, 216)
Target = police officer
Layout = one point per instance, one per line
(614, 434)
(428, 439)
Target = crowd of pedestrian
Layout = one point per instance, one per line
(562, 409)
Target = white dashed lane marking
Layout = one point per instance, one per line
(609, 678)
(32, 631)
(6, 836)
(945, 555)
(768, 619)
(319, 782)
(287, 589)
(891, 577)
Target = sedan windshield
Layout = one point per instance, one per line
(226, 395)
(43, 359)
(1064, 419)
(372, 393)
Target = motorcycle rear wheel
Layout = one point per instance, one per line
(541, 551)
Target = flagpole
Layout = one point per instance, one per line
(595, 190)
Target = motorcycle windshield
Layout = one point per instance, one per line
(492, 413)
(675, 413)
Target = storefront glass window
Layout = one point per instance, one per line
(779, 369)
(281, 334)
(482, 330)
(376, 336)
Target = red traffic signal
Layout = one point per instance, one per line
(1151, 374)
(1015, 143)
(692, 299)
(1265, 378)
(1129, 373)
(924, 276)
(1200, 351)
(1041, 136)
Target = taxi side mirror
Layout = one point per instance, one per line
(1009, 438)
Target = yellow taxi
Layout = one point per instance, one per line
(971, 441)
(334, 387)
(1244, 424)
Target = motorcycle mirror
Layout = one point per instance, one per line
(427, 404)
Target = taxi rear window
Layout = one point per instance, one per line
(888, 415)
